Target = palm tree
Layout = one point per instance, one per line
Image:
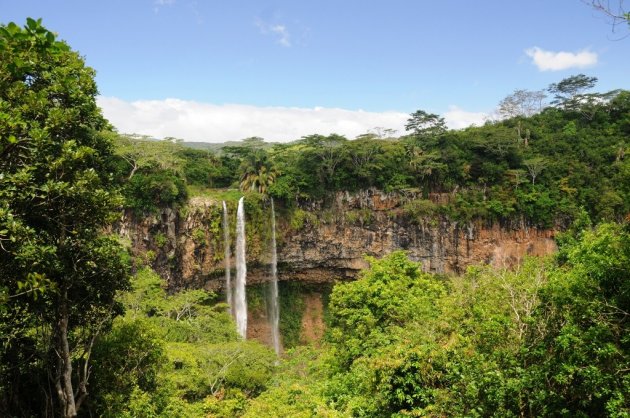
(255, 174)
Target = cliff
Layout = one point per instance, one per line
(323, 241)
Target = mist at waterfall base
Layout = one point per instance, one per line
(237, 298)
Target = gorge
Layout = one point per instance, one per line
(318, 243)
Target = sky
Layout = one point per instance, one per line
(206, 70)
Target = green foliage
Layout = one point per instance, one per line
(361, 217)
(291, 298)
(563, 155)
(296, 390)
(205, 169)
(257, 225)
(419, 208)
(142, 153)
(199, 236)
(148, 191)
(59, 275)
(580, 362)
(229, 195)
(160, 239)
(198, 370)
(301, 219)
(176, 355)
(366, 312)
(425, 125)
(549, 339)
(126, 364)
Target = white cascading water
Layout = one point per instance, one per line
(240, 302)
(274, 308)
(228, 273)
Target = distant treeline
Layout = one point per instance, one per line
(544, 163)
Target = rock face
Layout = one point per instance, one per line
(329, 242)
(374, 224)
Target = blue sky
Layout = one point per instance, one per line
(217, 70)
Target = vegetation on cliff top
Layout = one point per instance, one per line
(542, 162)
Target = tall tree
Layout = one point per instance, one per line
(569, 93)
(425, 125)
(523, 103)
(142, 152)
(256, 174)
(58, 273)
(329, 151)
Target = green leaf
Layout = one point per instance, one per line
(13, 28)
(31, 23)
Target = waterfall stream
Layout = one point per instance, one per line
(274, 308)
(227, 255)
(240, 302)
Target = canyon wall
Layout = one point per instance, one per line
(324, 241)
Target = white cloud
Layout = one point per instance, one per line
(281, 31)
(457, 118)
(556, 61)
(194, 121)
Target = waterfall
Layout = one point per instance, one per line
(228, 273)
(240, 302)
(274, 308)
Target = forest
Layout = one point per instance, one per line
(89, 329)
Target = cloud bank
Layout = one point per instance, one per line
(556, 61)
(194, 121)
(457, 118)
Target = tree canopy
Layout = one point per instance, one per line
(58, 273)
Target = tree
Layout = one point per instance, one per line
(329, 150)
(425, 164)
(363, 153)
(570, 94)
(524, 103)
(616, 14)
(59, 273)
(535, 166)
(425, 125)
(571, 87)
(255, 172)
(141, 152)
(578, 353)
(383, 133)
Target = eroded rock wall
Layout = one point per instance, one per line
(186, 247)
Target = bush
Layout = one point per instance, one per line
(149, 191)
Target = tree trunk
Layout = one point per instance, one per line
(134, 168)
(64, 373)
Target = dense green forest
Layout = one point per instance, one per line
(88, 330)
(542, 163)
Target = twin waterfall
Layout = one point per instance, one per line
(236, 297)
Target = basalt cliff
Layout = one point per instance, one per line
(323, 241)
